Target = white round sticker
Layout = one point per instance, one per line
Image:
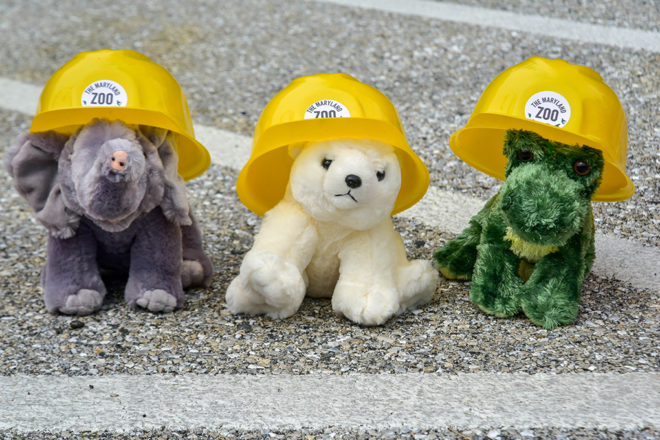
(548, 107)
(327, 108)
(104, 93)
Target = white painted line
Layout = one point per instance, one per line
(120, 403)
(447, 211)
(619, 258)
(534, 24)
(226, 148)
(18, 96)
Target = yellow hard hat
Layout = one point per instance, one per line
(120, 85)
(560, 101)
(323, 107)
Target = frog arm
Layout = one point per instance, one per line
(457, 258)
(496, 283)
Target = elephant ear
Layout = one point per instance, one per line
(174, 203)
(32, 161)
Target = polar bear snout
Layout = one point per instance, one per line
(353, 181)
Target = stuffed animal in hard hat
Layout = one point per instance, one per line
(563, 135)
(101, 166)
(330, 165)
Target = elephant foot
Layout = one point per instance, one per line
(192, 273)
(157, 300)
(83, 302)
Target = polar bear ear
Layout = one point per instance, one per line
(296, 149)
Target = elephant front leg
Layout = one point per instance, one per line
(154, 281)
(71, 280)
(496, 284)
(197, 268)
(551, 296)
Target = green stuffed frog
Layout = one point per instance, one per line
(530, 248)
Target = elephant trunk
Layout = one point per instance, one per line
(114, 187)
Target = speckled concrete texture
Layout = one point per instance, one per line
(638, 14)
(231, 57)
(231, 62)
(616, 328)
(366, 434)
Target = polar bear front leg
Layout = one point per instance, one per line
(376, 279)
(367, 291)
(363, 302)
(266, 285)
(271, 279)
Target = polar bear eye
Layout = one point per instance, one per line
(380, 175)
(326, 163)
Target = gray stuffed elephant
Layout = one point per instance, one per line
(111, 198)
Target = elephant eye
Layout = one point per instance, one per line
(581, 167)
(380, 175)
(525, 155)
(326, 163)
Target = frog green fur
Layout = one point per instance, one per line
(543, 211)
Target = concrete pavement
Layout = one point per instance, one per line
(230, 58)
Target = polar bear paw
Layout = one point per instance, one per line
(365, 305)
(266, 285)
(417, 282)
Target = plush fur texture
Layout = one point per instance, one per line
(111, 198)
(530, 248)
(332, 236)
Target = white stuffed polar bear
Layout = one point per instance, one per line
(332, 236)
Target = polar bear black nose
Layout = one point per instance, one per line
(353, 181)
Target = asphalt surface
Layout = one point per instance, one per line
(231, 58)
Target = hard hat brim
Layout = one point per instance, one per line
(262, 182)
(481, 143)
(194, 158)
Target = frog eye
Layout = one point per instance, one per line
(581, 167)
(325, 163)
(525, 155)
(380, 175)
